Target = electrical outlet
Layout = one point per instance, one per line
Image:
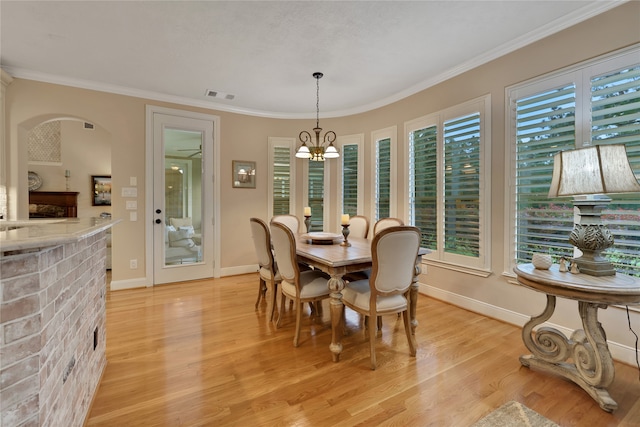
(133, 264)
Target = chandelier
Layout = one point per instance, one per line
(316, 151)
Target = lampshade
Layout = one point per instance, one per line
(599, 169)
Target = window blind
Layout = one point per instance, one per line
(383, 178)
(350, 179)
(544, 126)
(462, 185)
(316, 195)
(615, 106)
(281, 180)
(424, 183)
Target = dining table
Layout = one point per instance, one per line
(337, 260)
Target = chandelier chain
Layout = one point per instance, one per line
(317, 102)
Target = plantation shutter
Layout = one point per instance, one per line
(462, 185)
(350, 179)
(544, 126)
(383, 178)
(424, 183)
(281, 180)
(316, 195)
(615, 106)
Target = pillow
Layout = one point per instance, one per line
(187, 230)
(180, 239)
(181, 222)
(167, 229)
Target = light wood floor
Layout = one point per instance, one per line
(198, 354)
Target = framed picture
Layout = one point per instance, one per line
(243, 174)
(101, 187)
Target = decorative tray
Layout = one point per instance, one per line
(322, 238)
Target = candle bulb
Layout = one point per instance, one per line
(307, 211)
(67, 173)
(345, 219)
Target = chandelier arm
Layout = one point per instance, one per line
(329, 137)
(305, 137)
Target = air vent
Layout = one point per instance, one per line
(220, 95)
(89, 126)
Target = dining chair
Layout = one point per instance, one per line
(301, 286)
(359, 226)
(291, 221)
(383, 223)
(393, 252)
(268, 268)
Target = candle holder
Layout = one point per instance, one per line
(67, 179)
(307, 222)
(345, 234)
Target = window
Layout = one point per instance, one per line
(448, 184)
(315, 194)
(594, 103)
(384, 197)
(351, 177)
(281, 169)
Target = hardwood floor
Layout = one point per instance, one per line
(198, 354)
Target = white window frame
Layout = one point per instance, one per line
(480, 266)
(287, 143)
(580, 75)
(390, 133)
(327, 208)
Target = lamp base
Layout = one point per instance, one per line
(595, 268)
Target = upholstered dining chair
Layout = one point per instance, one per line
(359, 226)
(393, 252)
(383, 223)
(268, 268)
(291, 221)
(301, 286)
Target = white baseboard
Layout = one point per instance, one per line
(241, 269)
(140, 282)
(619, 352)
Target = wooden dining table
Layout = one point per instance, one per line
(337, 260)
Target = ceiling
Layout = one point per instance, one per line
(265, 52)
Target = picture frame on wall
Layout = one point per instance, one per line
(101, 188)
(243, 174)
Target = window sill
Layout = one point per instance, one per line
(459, 268)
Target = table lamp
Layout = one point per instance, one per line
(588, 174)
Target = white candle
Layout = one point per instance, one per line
(307, 211)
(67, 173)
(345, 219)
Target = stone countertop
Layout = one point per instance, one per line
(29, 234)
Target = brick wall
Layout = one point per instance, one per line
(51, 303)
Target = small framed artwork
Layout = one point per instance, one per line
(101, 187)
(244, 174)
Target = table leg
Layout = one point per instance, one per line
(413, 296)
(336, 285)
(592, 365)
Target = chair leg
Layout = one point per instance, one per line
(262, 289)
(281, 312)
(379, 323)
(407, 329)
(274, 291)
(296, 337)
(372, 346)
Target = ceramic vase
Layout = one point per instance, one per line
(542, 261)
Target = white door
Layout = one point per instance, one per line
(183, 232)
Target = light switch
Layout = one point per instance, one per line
(129, 192)
(133, 181)
(132, 205)
(133, 216)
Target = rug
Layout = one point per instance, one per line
(514, 414)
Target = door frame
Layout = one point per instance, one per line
(149, 167)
